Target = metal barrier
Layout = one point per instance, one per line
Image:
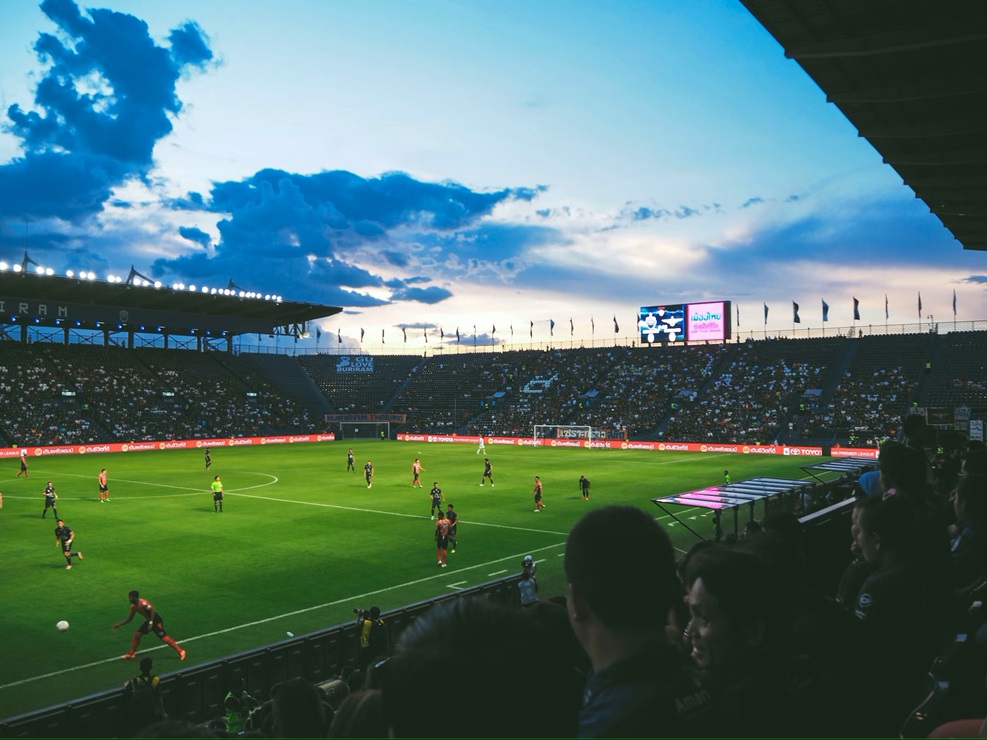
(197, 693)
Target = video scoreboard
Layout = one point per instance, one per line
(673, 323)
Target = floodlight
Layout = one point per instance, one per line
(69, 273)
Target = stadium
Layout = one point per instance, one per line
(272, 502)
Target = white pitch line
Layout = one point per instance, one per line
(458, 585)
(496, 573)
(358, 598)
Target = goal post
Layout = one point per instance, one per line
(563, 431)
(365, 429)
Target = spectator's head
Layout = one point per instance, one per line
(512, 673)
(903, 468)
(970, 501)
(738, 609)
(145, 666)
(360, 714)
(297, 709)
(629, 591)
(974, 462)
(883, 529)
(375, 612)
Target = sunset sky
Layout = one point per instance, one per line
(439, 165)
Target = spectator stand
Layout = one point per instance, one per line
(852, 466)
(732, 497)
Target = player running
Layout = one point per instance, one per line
(350, 460)
(50, 498)
(217, 495)
(437, 499)
(368, 472)
(487, 472)
(23, 470)
(208, 459)
(64, 537)
(480, 448)
(539, 505)
(153, 622)
(416, 471)
(104, 488)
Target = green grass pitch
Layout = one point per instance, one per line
(301, 543)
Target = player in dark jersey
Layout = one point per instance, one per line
(441, 538)
(537, 493)
(368, 472)
(487, 472)
(23, 465)
(350, 460)
(437, 499)
(208, 459)
(64, 537)
(584, 487)
(453, 518)
(50, 498)
(153, 622)
(104, 487)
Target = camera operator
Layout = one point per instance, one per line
(373, 636)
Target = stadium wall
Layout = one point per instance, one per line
(168, 444)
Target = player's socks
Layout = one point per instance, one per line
(79, 555)
(181, 655)
(134, 643)
(170, 641)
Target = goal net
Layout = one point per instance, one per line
(563, 431)
(365, 429)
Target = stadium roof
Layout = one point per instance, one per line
(50, 300)
(911, 76)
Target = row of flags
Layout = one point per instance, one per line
(796, 319)
(493, 331)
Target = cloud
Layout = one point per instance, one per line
(430, 295)
(196, 235)
(976, 279)
(756, 200)
(105, 100)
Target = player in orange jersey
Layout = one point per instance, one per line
(153, 622)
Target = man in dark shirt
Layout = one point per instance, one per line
(64, 537)
(208, 459)
(50, 498)
(487, 472)
(453, 518)
(584, 487)
(441, 538)
(350, 460)
(437, 499)
(368, 472)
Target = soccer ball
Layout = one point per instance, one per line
(62, 626)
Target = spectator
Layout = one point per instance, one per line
(144, 702)
(969, 546)
(298, 709)
(640, 687)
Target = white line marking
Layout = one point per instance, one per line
(458, 585)
(360, 598)
(496, 573)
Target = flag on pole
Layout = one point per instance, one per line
(494, 330)
(954, 303)
(592, 326)
(886, 307)
(615, 327)
(512, 330)
(856, 310)
(531, 330)
(572, 327)
(457, 333)
(442, 334)
(765, 314)
(404, 330)
(920, 304)
(825, 310)
(425, 334)
(318, 334)
(738, 314)
(551, 327)
(795, 313)
(339, 336)
(361, 335)
(382, 337)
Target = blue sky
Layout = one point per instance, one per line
(450, 164)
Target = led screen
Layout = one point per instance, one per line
(672, 323)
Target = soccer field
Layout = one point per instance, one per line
(300, 544)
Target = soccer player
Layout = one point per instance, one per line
(487, 472)
(104, 489)
(453, 518)
(50, 498)
(480, 448)
(437, 499)
(416, 470)
(153, 622)
(537, 492)
(441, 538)
(584, 487)
(217, 494)
(208, 459)
(350, 460)
(23, 470)
(726, 477)
(368, 472)
(64, 537)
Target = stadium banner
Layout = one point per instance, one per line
(854, 452)
(620, 444)
(366, 418)
(355, 364)
(167, 444)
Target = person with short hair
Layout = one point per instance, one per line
(441, 538)
(487, 472)
(104, 488)
(152, 622)
(217, 494)
(437, 498)
(373, 637)
(208, 459)
(416, 470)
(144, 701)
(453, 516)
(64, 537)
(584, 487)
(368, 473)
(537, 491)
(23, 470)
(350, 460)
(50, 498)
(640, 685)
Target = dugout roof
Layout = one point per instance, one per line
(911, 76)
(55, 301)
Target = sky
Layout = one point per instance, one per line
(439, 165)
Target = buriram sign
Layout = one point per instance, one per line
(616, 444)
(170, 444)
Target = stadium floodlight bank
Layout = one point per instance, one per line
(365, 429)
(563, 431)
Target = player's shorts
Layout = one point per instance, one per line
(66, 546)
(452, 530)
(217, 496)
(442, 541)
(103, 488)
(537, 497)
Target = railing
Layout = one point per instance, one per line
(197, 693)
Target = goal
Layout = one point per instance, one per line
(563, 431)
(365, 429)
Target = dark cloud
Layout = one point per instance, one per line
(196, 235)
(84, 139)
(756, 200)
(974, 279)
(396, 258)
(430, 295)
